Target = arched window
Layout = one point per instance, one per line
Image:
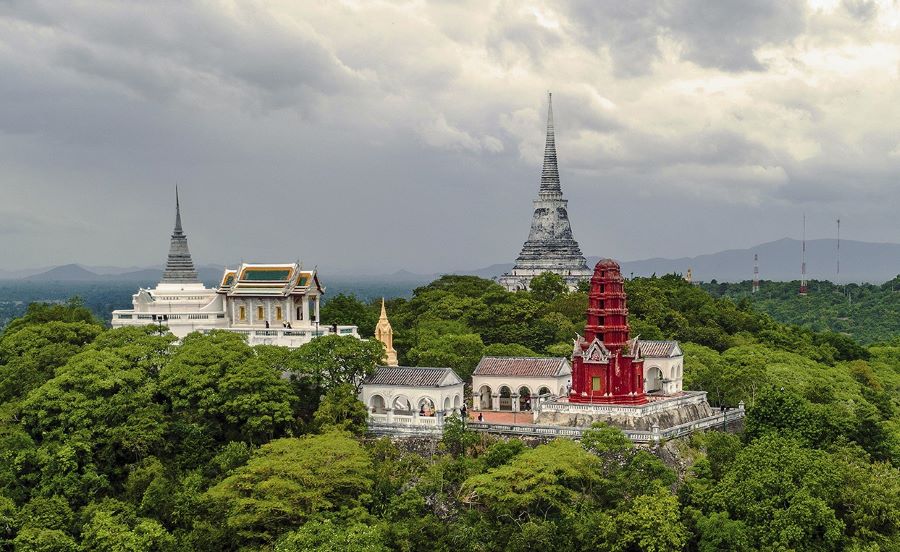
(426, 407)
(485, 402)
(524, 398)
(377, 404)
(653, 380)
(505, 398)
(401, 405)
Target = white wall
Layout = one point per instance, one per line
(672, 369)
(447, 399)
(554, 384)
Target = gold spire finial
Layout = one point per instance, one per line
(385, 334)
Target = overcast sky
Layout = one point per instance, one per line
(382, 136)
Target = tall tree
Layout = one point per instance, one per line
(217, 381)
(548, 286)
(287, 482)
(334, 360)
(349, 310)
(102, 401)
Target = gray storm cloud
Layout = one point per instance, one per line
(380, 136)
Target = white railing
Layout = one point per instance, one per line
(403, 419)
(689, 397)
(256, 335)
(402, 424)
(411, 425)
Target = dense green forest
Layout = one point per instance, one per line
(118, 440)
(101, 298)
(867, 312)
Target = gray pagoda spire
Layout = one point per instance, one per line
(179, 266)
(550, 188)
(550, 246)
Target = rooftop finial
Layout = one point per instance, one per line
(178, 229)
(550, 186)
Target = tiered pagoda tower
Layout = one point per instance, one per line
(551, 246)
(606, 365)
(179, 266)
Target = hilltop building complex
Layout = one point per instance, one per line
(551, 246)
(271, 304)
(619, 380)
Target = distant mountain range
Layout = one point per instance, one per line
(78, 273)
(778, 260)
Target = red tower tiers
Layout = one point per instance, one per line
(605, 368)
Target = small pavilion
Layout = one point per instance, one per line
(412, 396)
(516, 384)
(663, 367)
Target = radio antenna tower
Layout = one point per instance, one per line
(803, 260)
(838, 250)
(755, 273)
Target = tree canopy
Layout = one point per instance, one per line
(128, 439)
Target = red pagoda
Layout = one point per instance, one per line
(606, 367)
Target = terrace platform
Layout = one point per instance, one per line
(663, 411)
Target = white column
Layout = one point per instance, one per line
(515, 402)
(495, 401)
(305, 301)
(319, 320)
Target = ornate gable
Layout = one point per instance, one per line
(597, 353)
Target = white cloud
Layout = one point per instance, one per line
(440, 134)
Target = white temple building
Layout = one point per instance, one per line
(405, 399)
(516, 384)
(406, 393)
(663, 367)
(411, 401)
(270, 304)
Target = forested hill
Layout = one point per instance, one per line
(866, 312)
(121, 440)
